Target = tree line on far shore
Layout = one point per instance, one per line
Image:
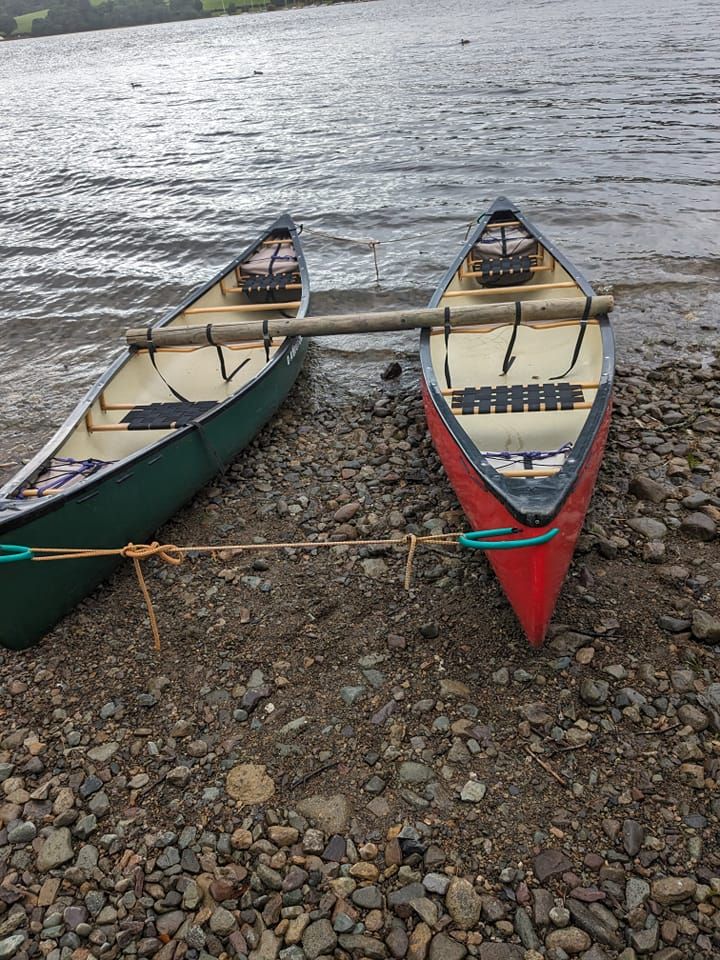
(72, 16)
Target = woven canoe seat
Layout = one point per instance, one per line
(166, 416)
(497, 269)
(517, 398)
(263, 284)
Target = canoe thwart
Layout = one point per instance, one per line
(535, 472)
(491, 328)
(591, 385)
(58, 474)
(542, 409)
(495, 225)
(246, 307)
(566, 308)
(489, 291)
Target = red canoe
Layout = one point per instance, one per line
(519, 413)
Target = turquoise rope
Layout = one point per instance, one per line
(476, 541)
(12, 553)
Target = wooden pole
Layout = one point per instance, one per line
(233, 332)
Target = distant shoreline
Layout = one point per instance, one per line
(85, 16)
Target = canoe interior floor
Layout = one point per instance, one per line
(107, 433)
(542, 354)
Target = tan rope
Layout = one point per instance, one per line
(174, 555)
(148, 601)
(412, 547)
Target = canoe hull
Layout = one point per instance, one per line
(127, 504)
(531, 577)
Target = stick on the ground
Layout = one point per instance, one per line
(568, 308)
(313, 773)
(547, 768)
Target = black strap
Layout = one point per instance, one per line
(220, 467)
(267, 339)
(273, 257)
(509, 358)
(227, 378)
(580, 338)
(447, 348)
(151, 350)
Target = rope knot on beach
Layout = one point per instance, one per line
(174, 555)
(168, 552)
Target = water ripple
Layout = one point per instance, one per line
(367, 120)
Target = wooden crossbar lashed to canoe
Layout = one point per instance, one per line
(567, 308)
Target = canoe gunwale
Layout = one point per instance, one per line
(536, 504)
(15, 513)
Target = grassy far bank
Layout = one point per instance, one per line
(24, 22)
(19, 18)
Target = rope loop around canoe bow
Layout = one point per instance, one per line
(11, 554)
(481, 539)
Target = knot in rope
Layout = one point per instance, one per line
(174, 555)
(168, 552)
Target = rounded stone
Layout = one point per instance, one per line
(56, 850)
(369, 898)
(462, 903)
(319, 939)
(443, 947)
(570, 939)
(594, 692)
(22, 833)
(222, 922)
(560, 916)
(670, 890)
(10, 946)
(413, 772)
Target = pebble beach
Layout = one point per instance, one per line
(318, 763)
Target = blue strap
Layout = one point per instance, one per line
(476, 540)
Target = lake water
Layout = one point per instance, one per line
(368, 120)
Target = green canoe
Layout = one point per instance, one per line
(157, 426)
